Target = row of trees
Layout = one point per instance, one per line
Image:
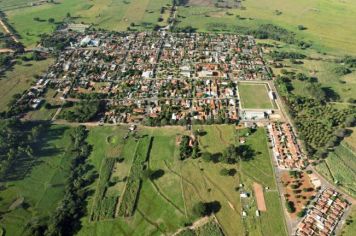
(66, 219)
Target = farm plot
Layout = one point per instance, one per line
(254, 96)
(104, 206)
(129, 197)
(339, 167)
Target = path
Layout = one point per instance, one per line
(6, 29)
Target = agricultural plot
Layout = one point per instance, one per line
(36, 191)
(104, 206)
(254, 96)
(129, 197)
(339, 167)
(166, 200)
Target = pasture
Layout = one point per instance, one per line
(254, 96)
(41, 190)
(339, 168)
(106, 14)
(329, 24)
(19, 78)
(179, 185)
(324, 70)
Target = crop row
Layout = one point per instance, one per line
(105, 173)
(133, 184)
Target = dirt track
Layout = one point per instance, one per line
(258, 189)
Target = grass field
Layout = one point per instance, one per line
(19, 78)
(260, 170)
(254, 96)
(172, 196)
(324, 70)
(329, 23)
(106, 14)
(350, 229)
(339, 167)
(41, 190)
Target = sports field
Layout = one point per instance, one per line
(254, 96)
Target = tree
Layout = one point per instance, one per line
(200, 209)
(290, 206)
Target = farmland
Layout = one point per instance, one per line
(40, 190)
(176, 186)
(339, 168)
(249, 98)
(107, 14)
(322, 20)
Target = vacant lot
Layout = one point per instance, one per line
(254, 96)
(19, 78)
(41, 190)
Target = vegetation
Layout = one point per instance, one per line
(66, 219)
(82, 112)
(339, 167)
(104, 207)
(17, 142)
(128, 200)
(319, 124)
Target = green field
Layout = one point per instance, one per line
(254, 96)
(172, 196)
(19, 78)
(339, 167)
(105, 14)
(41, 190)
(349, 228)
(329, 23)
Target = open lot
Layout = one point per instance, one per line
(41, 190)
(19, 79)
(254, 96)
